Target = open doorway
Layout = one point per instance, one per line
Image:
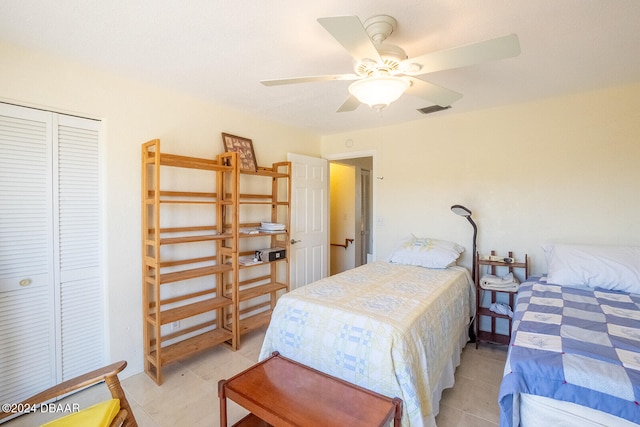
(351, 212)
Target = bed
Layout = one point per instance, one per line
(574, 355)
(393, 328)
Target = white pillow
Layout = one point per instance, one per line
(610, 267)
(426, 252)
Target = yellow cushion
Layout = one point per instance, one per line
(99, 415)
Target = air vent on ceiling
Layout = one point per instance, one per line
(433, 109)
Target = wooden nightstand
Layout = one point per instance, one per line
(496, 268)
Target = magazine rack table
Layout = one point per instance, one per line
(281, 392)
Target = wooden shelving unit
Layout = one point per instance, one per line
(196, 295)
(493, 336)
(260, 284)
(189, 271)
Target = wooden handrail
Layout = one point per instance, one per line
(346, 243)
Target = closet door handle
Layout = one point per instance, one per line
(293, 242)
(24, 282)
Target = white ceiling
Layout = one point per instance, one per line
(220, 50)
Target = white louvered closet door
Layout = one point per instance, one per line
(27, 323)
(77, 249)
(51, 304)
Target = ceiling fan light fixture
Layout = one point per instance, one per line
(379, 91)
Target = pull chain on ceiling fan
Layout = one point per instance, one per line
(383, 72)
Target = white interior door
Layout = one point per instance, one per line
(365, 216)
(309, 224)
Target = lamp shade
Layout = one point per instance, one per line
(460, 210)
(380, 91)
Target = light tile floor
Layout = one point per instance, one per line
(473, 401)
(189, 394)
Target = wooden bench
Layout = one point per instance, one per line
(281, 392)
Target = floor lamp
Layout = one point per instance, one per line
(462, 211)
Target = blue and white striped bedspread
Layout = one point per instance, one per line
(574, 345)
(386, 327)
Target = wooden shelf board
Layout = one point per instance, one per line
(193, 273)
(265, 172)
(187, 202)
(502, 264)
(185, 348)
(262, 233)
(259, 290)
(251, 420)
(193, 309)
(177, 262)
(255, 196)
(193, 228)
(492, 337)
(188, 162)
(484, 311)
(151, 263)
(191, 194)
(180, 333)
(243, 266)
(256, 321)
(184, 297)
(192, 239)
(194, 202)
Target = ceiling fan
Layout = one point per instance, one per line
(383, 72)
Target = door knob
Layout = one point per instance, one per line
(293, 242)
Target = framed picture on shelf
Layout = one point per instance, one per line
(244, 148)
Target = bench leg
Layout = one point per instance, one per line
(398, 415)
(223, 403)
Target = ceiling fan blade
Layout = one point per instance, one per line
(307, 79)
(349, 105)
(463, 56)
(431, 92)
(351, 34)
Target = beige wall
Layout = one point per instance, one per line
(132, 113)
(565, 169)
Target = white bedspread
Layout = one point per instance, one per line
(390, 328)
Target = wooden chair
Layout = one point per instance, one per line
(109, 374)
